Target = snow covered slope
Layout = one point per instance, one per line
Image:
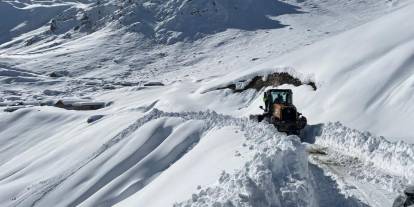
(169, 133)
(364, 76)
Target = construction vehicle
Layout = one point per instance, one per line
(280, 111)
(406, 199)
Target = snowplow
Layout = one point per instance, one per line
(280, 111)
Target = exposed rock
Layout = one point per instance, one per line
(275, 79)
(52, 92)
(13, 108)
(94, 118)
(79, 105)
(57, 74)
(154, 84)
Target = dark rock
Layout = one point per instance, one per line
(52, 92)
(13, 108)
(58, 74)
(154, 84)
(79, 105)
(275, 79)
(94, 118)
(409, 191)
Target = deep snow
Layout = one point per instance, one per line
(168, 136)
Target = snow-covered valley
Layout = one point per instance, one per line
(171, 132)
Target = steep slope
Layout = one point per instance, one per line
(371, 69)
(364, 76)
(112, 44)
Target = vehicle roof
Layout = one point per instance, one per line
(409, 190)
(280, 90)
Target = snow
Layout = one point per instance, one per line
(199, 167)
(169, 136)
(375, 59)
(277, 176)
(394, 158)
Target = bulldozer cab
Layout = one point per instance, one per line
(280, 111)
(281, 96)
(277, 96)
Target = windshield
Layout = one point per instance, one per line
(281, 97)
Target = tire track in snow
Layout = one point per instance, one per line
(393, 158)
(346, 172)
(371, 168)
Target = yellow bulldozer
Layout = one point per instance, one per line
(280, 111)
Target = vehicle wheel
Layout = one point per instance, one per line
(260, 118)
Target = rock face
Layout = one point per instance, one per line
(58, 74)
(154, 83)
(79, 105)
(94, 118)
(275, 79)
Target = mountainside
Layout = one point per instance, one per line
(375, 59)
(169, 86)
(162, 22)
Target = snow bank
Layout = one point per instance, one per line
(395, 158)
(118, 167)
(122, 161)
(278, 175)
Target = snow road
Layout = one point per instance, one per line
(370, 168)
(371, 194)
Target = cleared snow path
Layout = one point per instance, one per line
(346, 171)
(370, 168)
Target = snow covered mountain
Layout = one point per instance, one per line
(172, 131)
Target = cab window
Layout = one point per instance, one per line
(281, 97)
